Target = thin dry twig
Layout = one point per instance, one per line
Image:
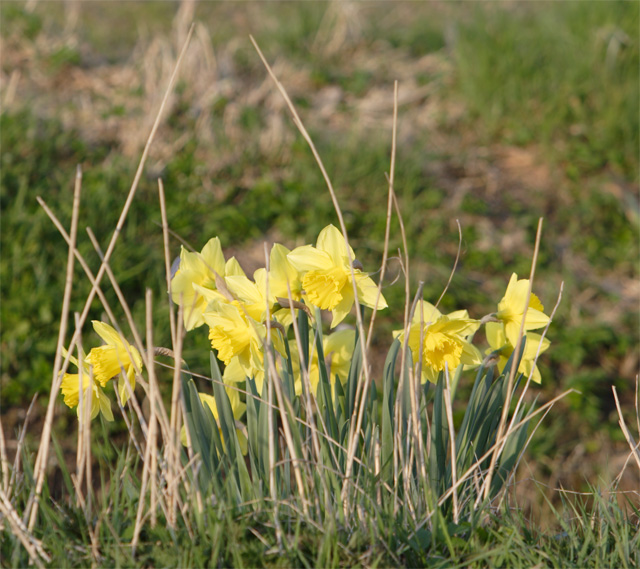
(43, 451)
(635, 447)
(512, 374)
(32, 545)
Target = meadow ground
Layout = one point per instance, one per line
(507, 113)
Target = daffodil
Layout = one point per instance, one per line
(237, 336)
(237, 408)
(511, 309)
(501, 346)
(338, 353)
(116, 358)
(196, 281)
(328, 277)
(253, 294)
(441, 340)
(70, 389)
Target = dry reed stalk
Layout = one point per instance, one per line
(397, 458)
(452, 442)
(32, 545)
(272, 462)
(4, 461)
(282, 401)
(168, 430)
(83, 395)
(512, 374)
(151, 448)
(167, 257)
(635, 447)
(354, 428)
(387, 229)
(173, 442)
(43, 451)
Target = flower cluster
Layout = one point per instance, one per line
(236, 308)
(444, 341)
(240, 312)
(116, 358)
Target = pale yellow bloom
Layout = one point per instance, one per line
(253, 294)
(503, 348)
(338, 353)
(116, 358)
(237, 408)
(327, 280)
(70, 389)
(236, 335)
(511, 309)
(441, 340)
(195, 283)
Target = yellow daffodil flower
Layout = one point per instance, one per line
(70, 389)
(511, 309)
(338, 353)
(235, 334)
(327, 280)
(196, 281)
(500, 345)
(116, 358)
(443, 338)
(253, 294)
(237, 408)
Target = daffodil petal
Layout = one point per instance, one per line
(368, 292)
(308, 258)
(535, 319)
(107, 333)
(233, 268)
(212, 255)
(343, 307)
(332, 242)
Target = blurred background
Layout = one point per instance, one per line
(508, 111)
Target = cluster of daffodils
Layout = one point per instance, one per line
(242, 313)
(444, 341)
(236, 309)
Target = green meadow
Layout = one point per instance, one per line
(507, 113)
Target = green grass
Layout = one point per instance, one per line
(564, 76)
(589, 531)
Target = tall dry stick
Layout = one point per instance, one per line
(355, 427)
(151, 449)
(512, 374)
(43, 451)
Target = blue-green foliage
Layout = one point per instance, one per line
(386, 461)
